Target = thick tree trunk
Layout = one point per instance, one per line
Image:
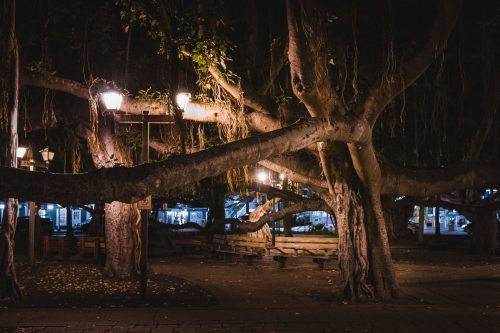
(382, 269)
(354, 211)
(353, 256)
(287, 226)
(437, 222)
(121, 220)
(9, 90)
(214, 191)
(484, 239)
(396, 217)
(368, 170)
(9, 288)
(421, 223)
(98, 220)
(313, 86)
(350, 218)
(69, 222)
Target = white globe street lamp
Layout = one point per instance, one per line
(262, 176)
(182, 99)
(21, 151)
(47, 155)
(112, 99)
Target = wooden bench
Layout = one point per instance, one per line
(190, 244)
(220, 247)
(91, 246)
(240, 245)
(218, 242)
(58, 245)
(86, 247)
(319, 248)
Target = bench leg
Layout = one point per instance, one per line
(45, 247)
(61, 248)
(320, 262)
(281, 261)
(249, 259)
(96, 250)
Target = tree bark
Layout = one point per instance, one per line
(396, 217)
(437, 222)
(9, 90)
(368, 170)
(421, 223)
(354, 261)
(121, 262)
(382, 268)
(263, 215)
(287, 222)
(9, 287)
(421, 182)
(131, 184)
(214, 191)
(484, 237)
(121, 220)
(349, 212)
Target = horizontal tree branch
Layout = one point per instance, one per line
(302, 206)
(134, 183)
(129, 105)
(426, 182)
(273, 192)
(461, 207)
(396, 181)
(55, 83)
(163, 147)
(203, 112)
(293, 175)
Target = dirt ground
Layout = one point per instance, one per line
(425, 276)
(442, 291)
(200, 280)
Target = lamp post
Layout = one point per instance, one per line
(20, 153)
(182, 99)
(112, 101)
(144, 210)
(47, 156)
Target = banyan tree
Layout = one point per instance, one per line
(370, 105)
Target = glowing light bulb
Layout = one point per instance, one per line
(183, 99)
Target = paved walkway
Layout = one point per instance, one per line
(439, 297)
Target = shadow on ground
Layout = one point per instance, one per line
(53, 284)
